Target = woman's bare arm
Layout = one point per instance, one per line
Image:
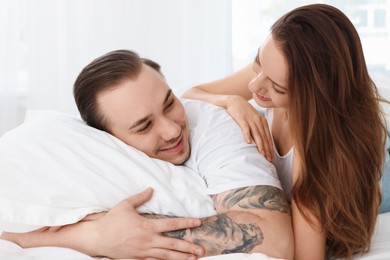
(219, 92)
(232, 93)
(309, 236)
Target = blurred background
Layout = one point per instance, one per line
(44, 44)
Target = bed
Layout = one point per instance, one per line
(64, 144)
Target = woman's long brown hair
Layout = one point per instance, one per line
(336, 123)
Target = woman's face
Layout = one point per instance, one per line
(269, 85)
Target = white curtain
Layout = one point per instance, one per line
(45, 43)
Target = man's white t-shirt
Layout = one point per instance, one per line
(219, 152)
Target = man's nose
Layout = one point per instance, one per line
(169, 129)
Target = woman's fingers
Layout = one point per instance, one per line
(268, 140)
(262, 138)
(246, 130)
(253, 125)
(256, 129)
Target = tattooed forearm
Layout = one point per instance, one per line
(260, 197)
(239, 226)
(232, 232)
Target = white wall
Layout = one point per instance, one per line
(191, 39)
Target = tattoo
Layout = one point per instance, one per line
(176, 234)
(221, 234)
(234, 230)
(261, 197)
(252, 237)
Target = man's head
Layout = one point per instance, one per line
(128, 97)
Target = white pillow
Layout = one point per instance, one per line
(54, 170)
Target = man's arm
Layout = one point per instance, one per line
(250, 219)
(119, 233)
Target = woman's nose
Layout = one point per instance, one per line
(256, 84)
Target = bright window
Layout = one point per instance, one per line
(251, 20)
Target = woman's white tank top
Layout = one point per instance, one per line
(283, 163)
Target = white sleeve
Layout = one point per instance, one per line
(224, 159)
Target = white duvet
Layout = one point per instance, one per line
(55, 170)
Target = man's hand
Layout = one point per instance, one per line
(122, 232)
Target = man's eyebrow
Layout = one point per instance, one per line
(168, 95)
(140, 121)
(147, 117)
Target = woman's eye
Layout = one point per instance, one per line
(278, 91)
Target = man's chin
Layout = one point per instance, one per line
(180, 159)
(177, 158)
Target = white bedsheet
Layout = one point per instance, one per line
(380, 249)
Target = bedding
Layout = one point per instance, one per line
(36, 191)
(380, 247)
(55, 170)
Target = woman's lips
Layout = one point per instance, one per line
(262, 98)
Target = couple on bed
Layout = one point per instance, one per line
(323, 113)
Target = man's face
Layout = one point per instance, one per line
(145, 114)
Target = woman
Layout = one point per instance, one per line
(324, 116)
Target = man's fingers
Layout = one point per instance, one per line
(139, 199)
(54, 228)
(172, 224)
(94, 216)
(181, 246)
(159, 253)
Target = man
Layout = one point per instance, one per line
(128, 97)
